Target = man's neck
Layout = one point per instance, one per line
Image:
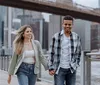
(67, 34)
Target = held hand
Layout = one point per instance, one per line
(9, 79)
(52, 72)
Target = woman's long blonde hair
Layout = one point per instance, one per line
(19, 39)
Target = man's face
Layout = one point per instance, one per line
(67, 25)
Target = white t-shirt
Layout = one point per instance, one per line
(29, 56)
(65, 52)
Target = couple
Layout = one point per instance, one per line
(64, 56)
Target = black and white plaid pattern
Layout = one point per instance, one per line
(55, 51)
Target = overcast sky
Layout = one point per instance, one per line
(90, 3)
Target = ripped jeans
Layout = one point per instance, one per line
(25, 74)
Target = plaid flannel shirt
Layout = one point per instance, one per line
(55, 51)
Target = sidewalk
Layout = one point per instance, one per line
(4, 76)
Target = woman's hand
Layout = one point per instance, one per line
(9, 79)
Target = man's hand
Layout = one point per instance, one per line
(51, 72)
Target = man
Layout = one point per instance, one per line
(65, 52)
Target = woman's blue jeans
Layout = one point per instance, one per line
(65, 77)
(25, 74)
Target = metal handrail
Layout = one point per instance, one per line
(94, 56)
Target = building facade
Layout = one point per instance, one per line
(95, 36)
(83, 29)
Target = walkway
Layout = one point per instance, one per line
(4, 76)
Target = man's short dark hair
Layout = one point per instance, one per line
(68, 17)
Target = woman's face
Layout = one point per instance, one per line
(27, 33)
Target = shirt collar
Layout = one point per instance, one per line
(62, 32)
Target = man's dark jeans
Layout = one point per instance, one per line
(65, 77)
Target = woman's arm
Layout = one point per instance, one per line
(12, 64)
(9, 79)
(42, 59)
(12, 67)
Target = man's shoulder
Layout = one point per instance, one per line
(75, 34)
(56, 35)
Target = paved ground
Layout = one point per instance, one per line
(4, 75)
(95, 78)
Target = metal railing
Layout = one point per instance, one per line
(86, 66)
(4, 62)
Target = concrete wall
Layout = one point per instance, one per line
(54, 26)
(83, 28)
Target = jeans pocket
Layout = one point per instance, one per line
(23, 68)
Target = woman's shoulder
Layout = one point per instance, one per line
(36, 42)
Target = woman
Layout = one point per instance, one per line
(26, 57)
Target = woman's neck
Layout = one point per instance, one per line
(27, 40)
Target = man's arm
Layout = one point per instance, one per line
(79, 49)
(51, 54)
